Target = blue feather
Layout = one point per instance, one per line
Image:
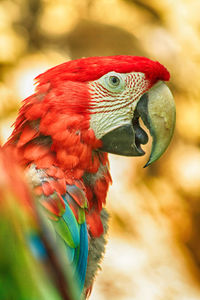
(71, 222)
(83, 256)
(79, 254)
(36, 246)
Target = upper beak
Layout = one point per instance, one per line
(157, 110)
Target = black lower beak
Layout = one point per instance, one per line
(127, 139)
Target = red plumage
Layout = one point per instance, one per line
(94, 223)
(53, 139)
(27, 135)
(92, 68)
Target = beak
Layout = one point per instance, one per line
(157, 110)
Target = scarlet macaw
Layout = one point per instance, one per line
(82, 110)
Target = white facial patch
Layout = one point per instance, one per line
(114, 97)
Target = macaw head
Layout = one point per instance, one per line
(116, 92)
(133, 88)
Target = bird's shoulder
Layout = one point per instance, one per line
(63, 202)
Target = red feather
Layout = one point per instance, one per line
(54, 204)
(100, 191)
(33, 152)
(27, 135)
(46, 161)
(59, 186)
(36, 111)
(92, 68)
(94, 223)
(55, 172)
(47, 188)
(78, 195)
(66, 160)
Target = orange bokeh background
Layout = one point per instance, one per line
(153, 249)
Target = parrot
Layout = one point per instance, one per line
(82, 110)
(31, 266)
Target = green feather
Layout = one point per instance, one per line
(65, 233)
(81, 216)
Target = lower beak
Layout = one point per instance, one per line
(157, 110)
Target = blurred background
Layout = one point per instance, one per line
(153, 250)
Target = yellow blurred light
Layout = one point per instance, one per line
(6, 98)
(25, 81)
(188, 120)
(118, 13)
(58, 18)
(4, 19)
(185, 167)
(11, 45)
(9, 12)
(190, 170)
(6, 128)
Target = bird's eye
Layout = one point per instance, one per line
(114, 80)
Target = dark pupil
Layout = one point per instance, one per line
(114, 80)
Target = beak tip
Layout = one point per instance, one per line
(148, 163)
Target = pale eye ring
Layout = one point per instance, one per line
(114, 80)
